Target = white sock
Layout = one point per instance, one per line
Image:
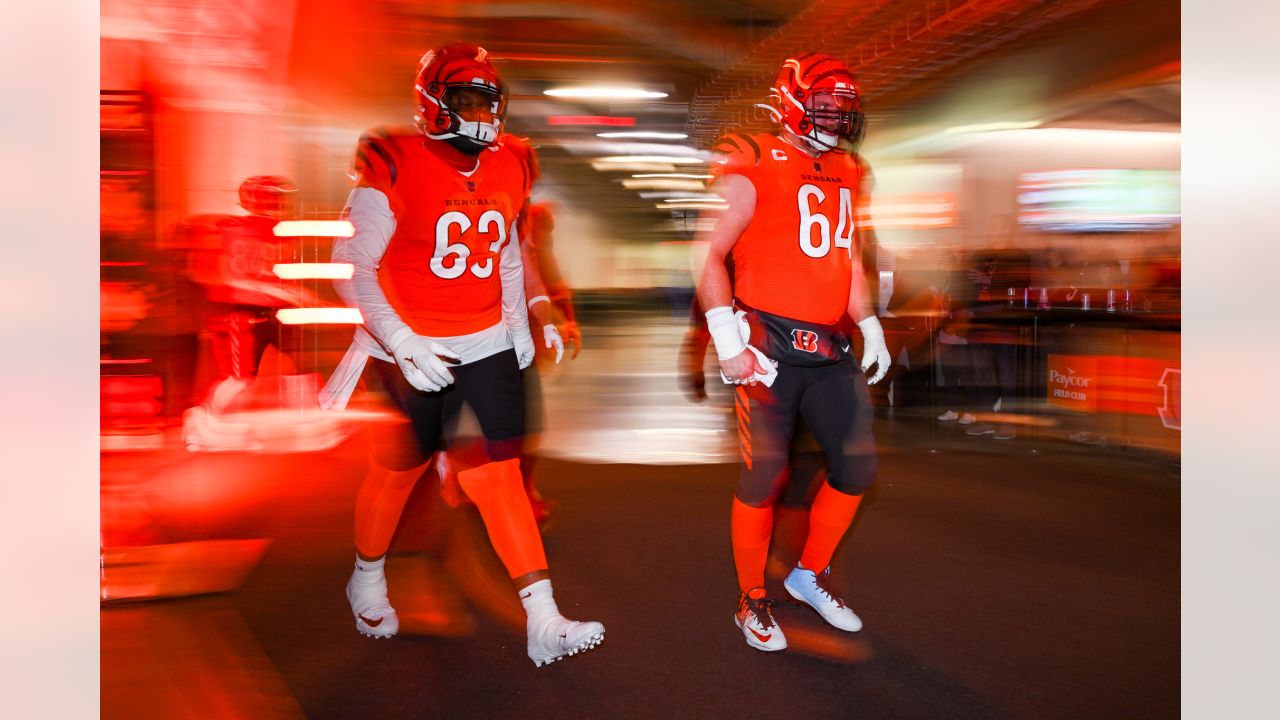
(369, 570)
(538, 601)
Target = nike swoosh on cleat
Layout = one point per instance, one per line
(370, 623)
(761, 638)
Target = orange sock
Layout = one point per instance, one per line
(829, 518)
(750, 528)
(498, 491)
(378, 506)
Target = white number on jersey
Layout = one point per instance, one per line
(810, 218)
(489, 221)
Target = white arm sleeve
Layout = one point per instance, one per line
(374, 223)
(511, 269)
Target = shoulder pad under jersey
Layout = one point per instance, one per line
(736, 153)
(377, 159)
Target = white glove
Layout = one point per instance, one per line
(524, 347)
(419, 360)
(874, 350)
(552, 337)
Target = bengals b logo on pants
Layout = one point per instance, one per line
(806, 340)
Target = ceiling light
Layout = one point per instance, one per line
(670, 159)
(603, 92)
(644, 134)
(632, 167)
(992, 127)
(313, 228)
(659, 184)
(689, 204)
(313, 271)
(687, 176)
(680, 196)
(319, 316)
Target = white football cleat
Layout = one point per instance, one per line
(553, 637)
(367, 593)
(948, 416)
(755, 619)
(813, 590)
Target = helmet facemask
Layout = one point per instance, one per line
(469, 116)
(832, 118)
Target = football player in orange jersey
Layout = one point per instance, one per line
(439, 281)
(558, 303)
(789, 228)
(232, 259)
(541, 224)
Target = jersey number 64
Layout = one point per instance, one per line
(809, 217)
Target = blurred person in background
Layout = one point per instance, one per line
(232, 258)
(981, 295)
(690, 367)
(439, 281)
(911, 311)
(788, 226)
(955, 366)
(550, 303)
(540, 255)
(553, 306)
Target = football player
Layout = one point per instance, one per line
(439, 281)
(539, 249)
(232, 259)
(790, 229)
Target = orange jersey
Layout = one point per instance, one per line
(795, 259)
(440, 269)
(231, 252)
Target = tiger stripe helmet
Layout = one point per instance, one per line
(816, 98)
(459, 97)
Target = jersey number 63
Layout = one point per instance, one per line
(491, 223)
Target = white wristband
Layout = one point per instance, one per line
(871, 330)
(724, 332)
(536, 300)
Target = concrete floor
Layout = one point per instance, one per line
(1026, 579)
